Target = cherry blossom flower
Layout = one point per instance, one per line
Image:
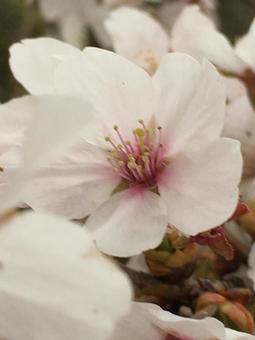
(196, 35)
(55, 284)
(138, 37)
(149, 322)
(150, 159)
(145, 42)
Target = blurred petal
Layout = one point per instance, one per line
(54, 284)
(240, 125)
(195, 34)
(245, 47)
(138, 37)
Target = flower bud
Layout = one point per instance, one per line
(174, 253)
(233, 314)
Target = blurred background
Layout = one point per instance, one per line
(80, 22)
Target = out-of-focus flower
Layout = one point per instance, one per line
(169, 11)
(196, 35)
(230, 311)
(149, 322)
(55, 284)
(138, 37)
(144, 164)
(73, 17)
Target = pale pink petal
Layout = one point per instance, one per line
(120, 91)
(130, 222)
(190, 101)
(138, 37)
(240, 124)
(195, 34)
(200, 187)
(14, 117)
(75, 185)
(33, 62)
(56, 123)
(245, 47)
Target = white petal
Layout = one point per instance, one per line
(55, 124)
(71, 27)
(13, 121)
(195, 34)
(234, 87)
(130, 222)
(136, 326)
(137, 37)
(190, 100)
(138, 264)
(234, 335)
(200, 187)
(245, 47)
(75, 185)
(240, 125)
(54, 284)
(121, 92)
(33, 62)
(205, 329)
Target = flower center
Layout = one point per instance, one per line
(141, 161)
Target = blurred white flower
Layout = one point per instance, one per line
(74, 16)
(138, 37)
(54, 284)
(195, 34)
(169, 11)
(149, 322)
(157, 138)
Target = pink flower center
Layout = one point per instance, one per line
(141, 161)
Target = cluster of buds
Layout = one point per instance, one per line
(173, 255)
(229, 307)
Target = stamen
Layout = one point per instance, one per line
(138, 162)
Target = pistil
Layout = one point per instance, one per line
(139, 162)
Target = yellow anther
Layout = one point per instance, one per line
(115, 127)
(139, 132)
(107, 139)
